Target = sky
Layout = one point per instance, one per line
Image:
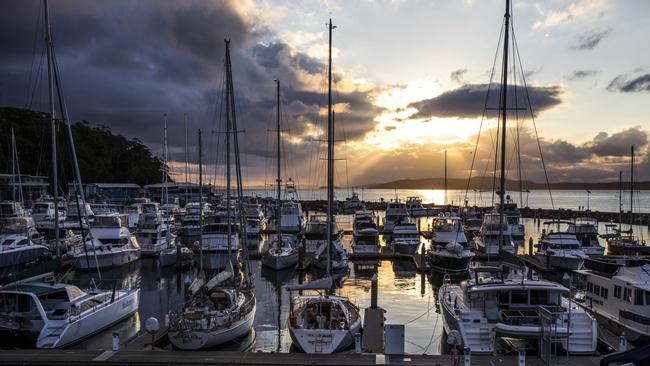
(411, 80)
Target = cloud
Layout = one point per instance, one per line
(575, 10)
(621, 83)
(581, 75)
(467, 101)
(590, 39)
(617, 144)
(457, 75)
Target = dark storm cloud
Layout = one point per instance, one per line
(589, 40)
(581, 75)
(124, 64)
(468, 101)
(621, 83)
(618, 144)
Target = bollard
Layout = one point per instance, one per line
(522, 356)
(374, 292)
(622, 343)
(357, 342)
(467, 355)
(116, 341)
(530, 246)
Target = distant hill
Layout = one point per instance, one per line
(487, 183)
(103, 156)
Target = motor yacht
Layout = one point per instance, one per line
(560, 249)
(414, 207)
(112, 244)
(487, 240)
(586, 231)
(449, 249)
(396, 214)
(405, 238)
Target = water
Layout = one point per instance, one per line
(604, 201)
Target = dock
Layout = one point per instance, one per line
(142, 358)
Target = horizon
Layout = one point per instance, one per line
(399, 104)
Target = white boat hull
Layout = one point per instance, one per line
(323, 340)
(106, 259)
(195, 340)
(280, 262)
(20, 256)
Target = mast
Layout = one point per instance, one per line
(445, 177)
(278, 180)
(13, 164)
(504, 105)
(50, 82)
(228, 131)
(187, 169)
(632, 189)
(330, 151)
(620, 199)
(165, 167)
(200, 204)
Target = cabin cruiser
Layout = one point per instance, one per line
(322, 323)
(508, 303)
(396, 214)
(56, 315)
(449, 249)
(169, 212)
(190, 226)
(316, 232)
(560, 249)
(11, 209)
(586, 231)
(213, 247)
(43, 212)
(513, 218)
(415, 208)
(152, 232)
(405, 238)
(74, 220)
(352, 204)
(291, 219)
(112, 244)
(487, 240)
(365, 233)
(134, 211)
(255, 221)
(618, 294)
(19, 242)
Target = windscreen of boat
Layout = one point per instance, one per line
(447, 225)
(108, 221)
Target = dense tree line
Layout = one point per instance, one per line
(103, 156)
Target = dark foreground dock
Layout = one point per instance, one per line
(142, 358)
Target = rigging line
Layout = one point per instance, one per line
(517, 140)
(34, 43)
(532, 117)
(218, 119)
(487, 96)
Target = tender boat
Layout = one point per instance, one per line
(507, 303)
(58, 315)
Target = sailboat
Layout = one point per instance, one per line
(324, 323)
(282, 252)
(223, 308)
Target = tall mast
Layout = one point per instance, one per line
(330, 151)
(632, 189)
(278, 180)
(50, 82)
(445, 177)
(165, 167)
(228, 131)
(200, 204)
(13, 164)
(504, 105)
(620, 199)
(187, 169)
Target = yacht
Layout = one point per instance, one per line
(213, 247)
(282, 252)
(316, 232)
(507, 303)
(322, 323)
(135, 210)
(18, 242)
(338, 255)
(618, 294)
(112, 244)
(487, 240)
(215, 314)
(43, 212)
(190, 226)
(449, 249)
(58, 315)
(624, 242)
(255, 221)
(513, 218)
(414, 207)
(352, 204)
(560, 249)
(169, 212)
(365, 233)
(396, 214)
(11, 209)
(291, 220)
(152, 232)
(405, 238)
(586, 231)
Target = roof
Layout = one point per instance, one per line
(115, 185)
(35, 289)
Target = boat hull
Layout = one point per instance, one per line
(280, 262)
(323, 341)
(448, 264)
(18, 257)
(106, 259)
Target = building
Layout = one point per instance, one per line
(177, 192)
(114, 193)
(32, 186)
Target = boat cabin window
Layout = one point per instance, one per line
(108, 221)
(638, 297)
(538, 297)
(74, 292)
(519, 296)
(627, 294)
(617, 291)
(647, 297)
